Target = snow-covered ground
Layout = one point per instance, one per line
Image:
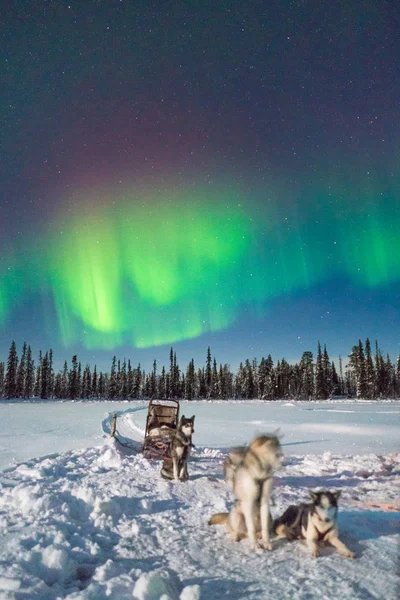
(93, 520)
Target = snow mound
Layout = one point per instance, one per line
(163, 584)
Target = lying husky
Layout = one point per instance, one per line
(175, 464)
(314, 522)
(252, 484)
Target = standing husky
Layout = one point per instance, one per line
(175, 465)
(252, 484)
(314, 522)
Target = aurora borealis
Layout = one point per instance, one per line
(160, 188)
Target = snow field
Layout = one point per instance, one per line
(100, 523)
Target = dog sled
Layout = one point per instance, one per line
(161, 423)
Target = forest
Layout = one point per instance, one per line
(365, 374)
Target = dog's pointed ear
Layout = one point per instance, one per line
(314, 495)
(192, 418)
(337, 494)
(277, 433)
(182, 417)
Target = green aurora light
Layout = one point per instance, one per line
(155, 270)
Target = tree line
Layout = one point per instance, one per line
(366, 375)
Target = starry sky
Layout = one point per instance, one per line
(199, 173)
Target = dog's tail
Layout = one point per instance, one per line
(218, 519)
(166, 474)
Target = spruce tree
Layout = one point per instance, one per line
(118, 384)
(21, 374)
(79, 380)
(153, 381)
(190, 381)
(379, 375)
(44, 387)
(320, 382)
(1, 379)
(270, 381)
(50, 375)
(38, 380)
(10, 384)
(389, 377)
(335, 391)
(64, 381)
(137, 384)
(326, 365)
(357, 364)
(102, 385)
(162, 385)
(208, 373)
(398, 377)
(201, 377)
(130, 380)
(369, 372)
(147, 385)
(112, 388)
(214, 381)
(307, 375)
(30, 374)
(94, 393)
(168, 385)
(296, 381)
(73, 382)
(341, 378)
(175, 391)
(86, 383)
(57, 391)
(123, 393)
(284, 378)
(249, 387)
(239, 382)
(261, 378)
(172, 390)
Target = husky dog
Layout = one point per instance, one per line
(314, 522)
(175, 464)
(232, 462)
(252, 486)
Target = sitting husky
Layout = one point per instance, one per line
(314, 522)
(175, 464)
(252, 485)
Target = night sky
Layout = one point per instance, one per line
(199, 173)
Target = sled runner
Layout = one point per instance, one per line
(162, 420)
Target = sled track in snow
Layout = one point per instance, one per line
(127, 432)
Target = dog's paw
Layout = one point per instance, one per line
(255, 546)
(266, 545)
(316, 553)
(349, 554)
